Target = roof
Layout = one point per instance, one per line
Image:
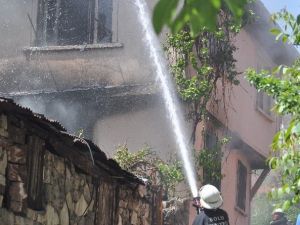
(81, 152)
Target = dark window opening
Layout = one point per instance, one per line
(73, 22)
(212, 171)
(241, 186)
(35, 163)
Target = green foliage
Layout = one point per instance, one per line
(144, 163)
(285, 91)
(291, 29)
(197, 63)
(286, 157)
(209, 159)
(196, 13)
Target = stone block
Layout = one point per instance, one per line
(3, 121)
(32, 214)
(86, 193)
(3, 161)
(17, 154)
(3, 133)
(64, 215)
(91, 207)
(17, 191)
(2, 189)
(80, 206)
(90, 218)
(16, 206)
(2, 180)
(16, 172)
(122, 204)
(134, 218)
(76, 196)
(6, 217)
(120, 220)
(1, 200)
(47, 175)
(142, 190)
(51, 216)
(70, 202)
(59, 166)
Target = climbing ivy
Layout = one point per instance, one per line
(209, 160)
(198, 63)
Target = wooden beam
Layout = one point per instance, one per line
(258, 182)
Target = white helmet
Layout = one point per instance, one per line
(278, 210)
(210, 197)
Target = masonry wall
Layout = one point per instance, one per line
(67, 194)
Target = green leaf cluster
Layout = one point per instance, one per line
(290, 32)
(144, 163)
(209, 160)
(196, 13)
(198, 63)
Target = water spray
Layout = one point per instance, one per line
(164, 77)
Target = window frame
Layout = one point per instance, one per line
(94, 30)
(262, 106)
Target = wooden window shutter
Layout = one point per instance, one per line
(35, 172)
(241, 186)
(107, 204)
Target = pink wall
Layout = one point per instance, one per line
(242, 118)
(229, 188)
(253, 127)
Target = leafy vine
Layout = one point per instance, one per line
(198, 63)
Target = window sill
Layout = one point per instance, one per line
(33, 50)
(267, 116)
(241, 211)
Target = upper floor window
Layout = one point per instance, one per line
(264, 103)
(73, 22)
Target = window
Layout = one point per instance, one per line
(264, 103)
(212, 168)
(73, 22)
(241, 186)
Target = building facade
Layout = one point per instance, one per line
(85, 64)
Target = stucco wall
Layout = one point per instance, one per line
(242, 116)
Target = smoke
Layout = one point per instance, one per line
(67, 113)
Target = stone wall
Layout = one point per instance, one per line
(39, 187)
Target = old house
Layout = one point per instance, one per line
(85, 64)
(50, 177)
(247, 119)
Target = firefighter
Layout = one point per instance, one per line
(210, 203)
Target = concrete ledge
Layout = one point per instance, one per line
(88, 47)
